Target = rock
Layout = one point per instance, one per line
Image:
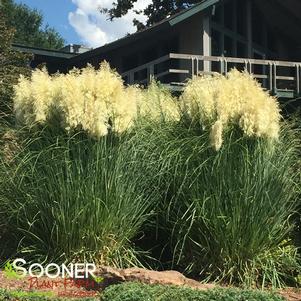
(115, 276)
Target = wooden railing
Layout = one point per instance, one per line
(280, 77)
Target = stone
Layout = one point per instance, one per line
(115, 276)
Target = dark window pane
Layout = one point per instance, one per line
(272, 44)
(228, 46)
(259, 69)
(129, 62)
(241, 50)
(241, 17)
(217, 17)
(216, 43)
(257, 25)
(228, 14)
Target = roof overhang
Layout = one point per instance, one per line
(192, 11)
(43, 52)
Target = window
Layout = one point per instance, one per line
(229, 14)
(257, 25)
(272, 45)
(129, 62)
(241, 13)
(217, 17)
(241, 50)
(216, 47)
(228, 51)
(229, 32)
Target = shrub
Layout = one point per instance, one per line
(12, 64)
(142, 292)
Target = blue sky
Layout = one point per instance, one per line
(56, 15)
(79, 21)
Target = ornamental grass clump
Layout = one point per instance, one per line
(71, 198)
(219, 102)
(227, 181)
(70, 192)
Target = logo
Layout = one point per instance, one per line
(52, 270)
(65, 280)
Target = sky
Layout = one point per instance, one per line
(80, 22)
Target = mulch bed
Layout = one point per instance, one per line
(291, 294)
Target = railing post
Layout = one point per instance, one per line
(250, 67)
(246, 65)
(131, 78)
(192, 67)
(275, 79)
(298, 79)
(150, 74)
(222, 66)
(125, 79)
(271, 77)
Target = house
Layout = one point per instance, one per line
(262, 37)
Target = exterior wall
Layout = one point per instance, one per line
(191, 35)
(137, 53)
(286, 49)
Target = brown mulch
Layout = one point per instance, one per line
(291, 294)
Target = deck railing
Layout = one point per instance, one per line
(280, 77)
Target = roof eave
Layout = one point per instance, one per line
(121, 42)
(194, 10)
(43, 52)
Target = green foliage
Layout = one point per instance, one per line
(28, 24)
(155, 12)
(10, 272)
(12, 64)
(70, 198)
(142, 292)
(35, 296)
